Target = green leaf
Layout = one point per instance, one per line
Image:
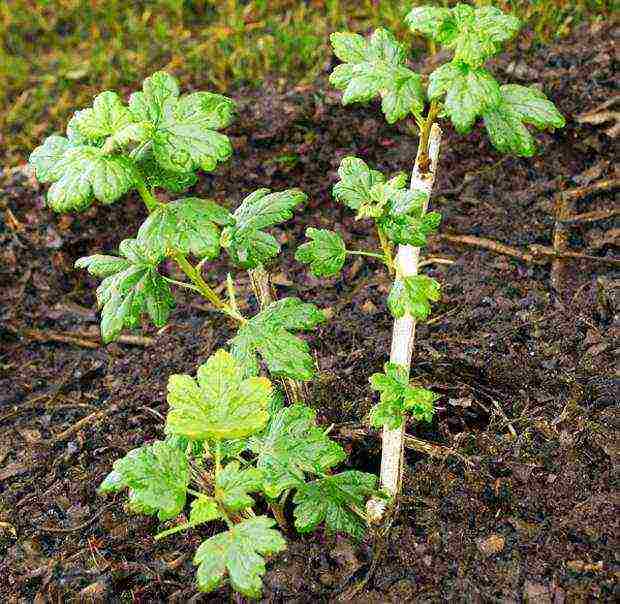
(268, 334)
(239, 552)
(325, 253)
(413, 295)
(157, 476)
(469, 93)
(292, 447)
(475, 34)
(157, 177)
(186, 226)
(376, 67)
(132, 287)
(106, 117)
(431, 21)
(183, 136)
(100, 265)
(219, 404)
(348, 47)
(233, 484)
(520, 105)
(409, 230)
(532, 106)
(81, 174)
(392, 198)
(203, 510)
(397, 397)
(333, 500)
(405, 96)
(247, 244)
(356, 181)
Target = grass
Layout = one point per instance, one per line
(55, 55)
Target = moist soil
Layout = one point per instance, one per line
(523, 506)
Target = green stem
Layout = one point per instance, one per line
(182, 284)
(171, 531)
(371, 254)
(150, 201)
(218, 458)
(201, 285)
(388, 249)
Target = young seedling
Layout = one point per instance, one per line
(228, 434)
(228, 438)
(461, 90)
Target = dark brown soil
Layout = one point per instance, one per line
(527, 519)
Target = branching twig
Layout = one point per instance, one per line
(537, 254)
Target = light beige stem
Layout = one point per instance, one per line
(403, 334)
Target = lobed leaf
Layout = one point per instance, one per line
(219, 404)
(183, 135)
(157, 476)
(157, 177)
(106, 117)
(233, 484)
(238, 553)
(410, 230)
(337, 500)
(356, 182)
(268, 334)
(520, 105)
(413, 295)
(247, 244)
(325, 252)
(203, 509)
(292, 447)
(469, 93)
(475, 34)
(376, 68)
(431, 21)
(131, 287)
(187, 225)
(81, 174)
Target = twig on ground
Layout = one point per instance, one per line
(51, 529)
(536, 254)
(93, 418)
(435, 260)
(592, 216)
(438, 451)
(507, 421)
(487, 244)
(83, 339)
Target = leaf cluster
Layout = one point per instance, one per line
(281, 448)
(463, 88)
(398, 398)
(158, 139)
(400, 215)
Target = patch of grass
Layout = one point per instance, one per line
(56, 54)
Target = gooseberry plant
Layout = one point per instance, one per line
(229, 437)
(461, 90)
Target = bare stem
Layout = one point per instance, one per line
(403, 334)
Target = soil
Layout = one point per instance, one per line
(529, 516)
